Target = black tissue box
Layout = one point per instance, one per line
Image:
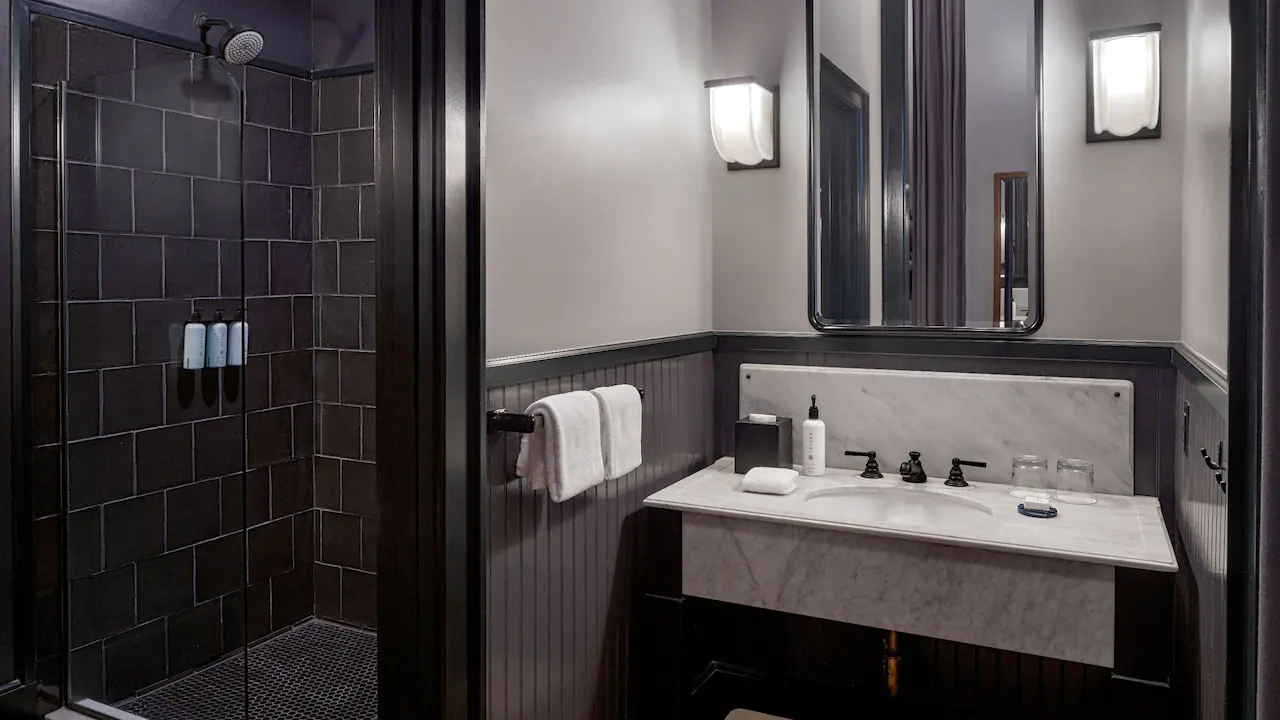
(761, 445)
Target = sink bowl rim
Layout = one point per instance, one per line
(908, 493)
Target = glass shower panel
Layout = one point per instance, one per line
(151, 239)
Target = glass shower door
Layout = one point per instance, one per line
(151, 252)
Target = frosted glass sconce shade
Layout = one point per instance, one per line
(744, 122)
(1124, 84)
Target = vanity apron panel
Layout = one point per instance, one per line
(1039, 606)
(986, 418)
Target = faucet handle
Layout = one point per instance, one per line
(955, 478)
(873, 468)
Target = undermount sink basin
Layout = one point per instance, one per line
(900, 506)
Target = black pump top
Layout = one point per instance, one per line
(195, 316)
(217, 316)
(813, 411)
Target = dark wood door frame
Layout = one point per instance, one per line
(997, 302)
(431, 354)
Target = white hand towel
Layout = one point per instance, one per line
(621, 421)
(563, 453)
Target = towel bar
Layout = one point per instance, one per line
(503, 421)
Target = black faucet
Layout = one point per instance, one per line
(873, 468)
(912, 471)
(956, 477)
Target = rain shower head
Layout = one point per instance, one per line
(240, 44)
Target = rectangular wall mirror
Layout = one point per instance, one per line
(925, 165)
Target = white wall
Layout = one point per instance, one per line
(598, 222)
(1207, 181)
(849, 36)
(1113, 226)
(761, 217)
(1000, 130)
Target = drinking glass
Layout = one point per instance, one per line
(1075, 482)
(1031, 478)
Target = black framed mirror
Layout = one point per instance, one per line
(925, 166)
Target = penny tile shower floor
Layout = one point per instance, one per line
(315, 671)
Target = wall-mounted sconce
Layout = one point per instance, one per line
(1124, 84)
(744, 122)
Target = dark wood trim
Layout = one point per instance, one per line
(996, 285)
(531, 368)
(12, 650)
(1007, 347)
(1251, 175)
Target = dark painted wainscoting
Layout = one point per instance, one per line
(562, 578)
(1201, 542)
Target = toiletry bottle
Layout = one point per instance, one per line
(216, 343)
(814, 442)
(193, 335)
(238, 343)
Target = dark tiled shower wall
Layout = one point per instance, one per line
(345, 479)
(1201, 511)
(562, 578)
(155, 460)
(1154, 396)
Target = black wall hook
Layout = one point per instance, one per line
(1217, 467)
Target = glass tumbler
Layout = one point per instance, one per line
(1031, 478)
(1075, 482)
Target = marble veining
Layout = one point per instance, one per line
(989, 418)
(1041, 606)
(1117, 531)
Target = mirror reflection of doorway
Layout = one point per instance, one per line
(1011, 299)
(845, 260)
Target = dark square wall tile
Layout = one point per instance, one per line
(359, 488)
(84, 405)
(368, 99)
(84, 669)
(290, 268)
(369, 544)
(301, 214)
(339, 103)
(290, 158)
(190, 394)
(194, 513)
(81, 116)
(191, 268)
(164, 584)
(132, 398)
(256, 153)
(101, 199)
(216, 209)
(339, 539)
(160, 325)
(195, 637)
(100, 334)
(304, 429)
(300, 91)
(358, 374)
(328, 582)
(190, 145)
(132, 267)
(164, 76)
(220, 84)
(356, 165)
(270, 437)
(220, 566)
(84, 542)
(325, 260)
(219, 447)
(268, 211)
(229, 150)
(340, 322)
(99, 61)
(133, 529)
(340, 431)
(81, 267)
(134, 660)
(340, 213)
(291, 378)
(270, 550)
(359, 598)
(102, 605)
(271, 324)
(292, 490)
(368, 323)
(164, 457)
(48, 50)
(328, 477)
(304, 325)
(267, 98)
(163, 203)
(100, 470)
(44, 127)
(325, 158)
(130, 135)
(369, 436)
(250, 275)
(327, 374)
(356, 271)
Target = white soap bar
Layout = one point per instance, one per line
(1038, 505)
(762, 418)
(770, 481)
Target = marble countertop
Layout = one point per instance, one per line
(1120, 531)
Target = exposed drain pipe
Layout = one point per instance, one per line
(891, 661)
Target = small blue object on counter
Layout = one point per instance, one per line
(1032, 512)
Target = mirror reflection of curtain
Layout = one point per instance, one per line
(938, 163)
(845, 260)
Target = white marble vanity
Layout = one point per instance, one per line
(955, 564)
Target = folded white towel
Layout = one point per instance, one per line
(770, 481)
(563, 453)
(621, 422)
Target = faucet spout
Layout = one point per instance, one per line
(912, 471)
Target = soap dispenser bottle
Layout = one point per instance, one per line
(193, 342)
(216, 343)
(814, 441)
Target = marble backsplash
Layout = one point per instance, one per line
(986, 418)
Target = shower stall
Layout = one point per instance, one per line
(204, 526)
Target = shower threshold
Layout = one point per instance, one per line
(315, 670)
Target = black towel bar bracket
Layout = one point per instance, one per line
(501, 421)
